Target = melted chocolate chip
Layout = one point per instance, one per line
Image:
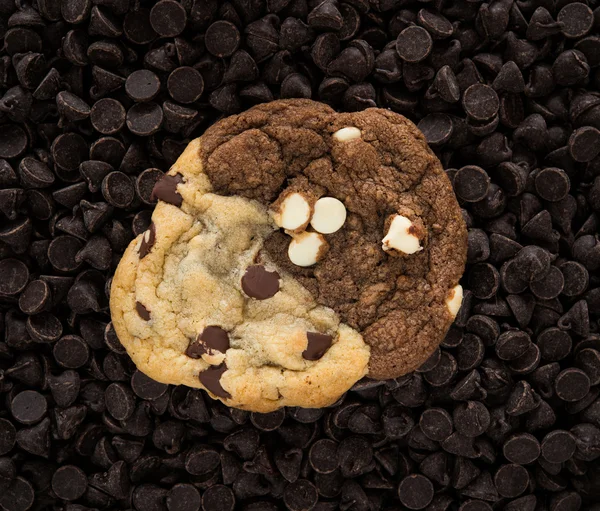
(318, 344)
(166, 190)
(211, 379)
(212, 338)
(148, 241)
(259, 283)
(142, 311)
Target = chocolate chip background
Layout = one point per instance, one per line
(506, 415)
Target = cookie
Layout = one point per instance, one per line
(293, 250)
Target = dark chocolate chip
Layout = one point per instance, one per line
(471, 419)
(414, 44)
(268, 421)
(415, 491)
(13, 141)
(554, 344)
(137, 27)
(72, 107)
(69, 482)
(185, 84)
(437, 128)
(558, 446)
(71, 351)
(576, 20)
(572, 384)
(222, 39)
(146, 388)
(436, 424)
(471, 183)
(212, 338)
(168, 18)
(588, 360)
(120, 401)
(7, 436)
(107, 116)
(300, 494)
(521, 448)
(118, 189)
(69, 151)
(28, 407)
(325, 16)
(511, 480)
(13, 276)
(584, 144)
(260, 283)
(512, 344)
(480, 102)
(19, 496)
(211, 379)
(185, 497)
(317, 346)
(144, 119)
(166, 190)
(142, 85)
(142, 311)
(216, 496)
(148, 240)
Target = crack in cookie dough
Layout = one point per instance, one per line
(189, 280)
(214, 271)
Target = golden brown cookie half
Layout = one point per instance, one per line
(293, 251)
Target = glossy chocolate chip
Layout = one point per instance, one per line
(211, 379)
(212, 339)
(142, 311)
(260, 283)
(166, 190)
(317, 345)
(148, 240)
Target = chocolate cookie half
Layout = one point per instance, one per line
(293, 251)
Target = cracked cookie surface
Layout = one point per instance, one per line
(208, 296)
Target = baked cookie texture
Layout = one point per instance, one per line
(208, 297)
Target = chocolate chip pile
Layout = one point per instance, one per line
(97, 100)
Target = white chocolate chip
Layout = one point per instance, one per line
(294, 212)
(400, 237)
(329, 215)
(454, 300)
(346, 134)
(307, 248)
